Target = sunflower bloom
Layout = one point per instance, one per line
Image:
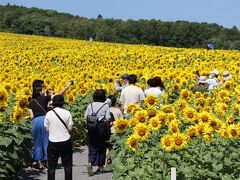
(166, 142)
(179, 140)
(142, 116)
(233, 131)
(132, 142)
(121, 125)
(154, 124)
(141, 131)
(151, 100)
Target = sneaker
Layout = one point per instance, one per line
(89, 169)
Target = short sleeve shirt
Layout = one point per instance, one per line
(102, 114)
(57, 131)
(36, 108)
(131, 94)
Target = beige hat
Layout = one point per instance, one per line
(226, 76)
(202, 79)
(215, 72)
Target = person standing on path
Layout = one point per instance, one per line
(131, 94)
(58, 122)
(37, 111)
(98, 136)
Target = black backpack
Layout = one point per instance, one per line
(92, 120)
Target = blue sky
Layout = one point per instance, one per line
(222, 12)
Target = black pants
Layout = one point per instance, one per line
(64, 150)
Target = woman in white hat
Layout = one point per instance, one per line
(225, 77)
(212, 81)
(201, 86)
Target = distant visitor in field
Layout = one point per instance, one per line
(58, 122)
(201, 86)
(225, 77)
(131, 94)
(119, 86)
(212, 81)
(98, 118)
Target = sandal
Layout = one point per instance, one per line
(89, 169)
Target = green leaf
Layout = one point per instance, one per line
(5, 141)
(217, 167)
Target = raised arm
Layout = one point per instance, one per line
(65, 88)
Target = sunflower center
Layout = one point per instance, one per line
(190, 114)
(122, 126)
(141, 119)
(204, 118)
(233, 132)
(178, 141)
(151, 101)
(1, 96)
(142, 132)
(154, 124)
(133, 143)
(167, 142)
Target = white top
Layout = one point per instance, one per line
(103, 112)
(212, 83)
(154, 91)
(117, 113)
(57, 131)
(131, 94)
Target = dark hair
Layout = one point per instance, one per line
(36, 92)
(113, 100)
(151, 82)
(132, 79)
(99, 95)
(37, 83)
(159, 83)
(58, 101)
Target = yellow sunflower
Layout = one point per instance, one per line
(132, 108)
(141, 131)
(174, 126)
(121, 125)
(132, 122)
(166, 142)
(179, 141)
(233, 131)
(142, 116)
(167, 108)
(204, 116)
(151, 100)
(161, 116)
(132, 142)
(154, 124)
(191, 132)
(207, 133)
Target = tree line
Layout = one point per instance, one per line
(36, 21)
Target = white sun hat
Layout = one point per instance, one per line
(202, 79)
(226, 76)
(215, 72)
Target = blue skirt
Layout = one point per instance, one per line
(39, 138)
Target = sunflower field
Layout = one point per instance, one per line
(196, 133)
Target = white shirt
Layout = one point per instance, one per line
(102, 113)
(212, 83)
(57, 131)
(153, 90)
(131, 94)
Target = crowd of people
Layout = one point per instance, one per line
(52, 124)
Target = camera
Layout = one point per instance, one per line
(72, 83)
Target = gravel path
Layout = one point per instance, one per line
(79, 169)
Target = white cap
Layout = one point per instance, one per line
(215, 72)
